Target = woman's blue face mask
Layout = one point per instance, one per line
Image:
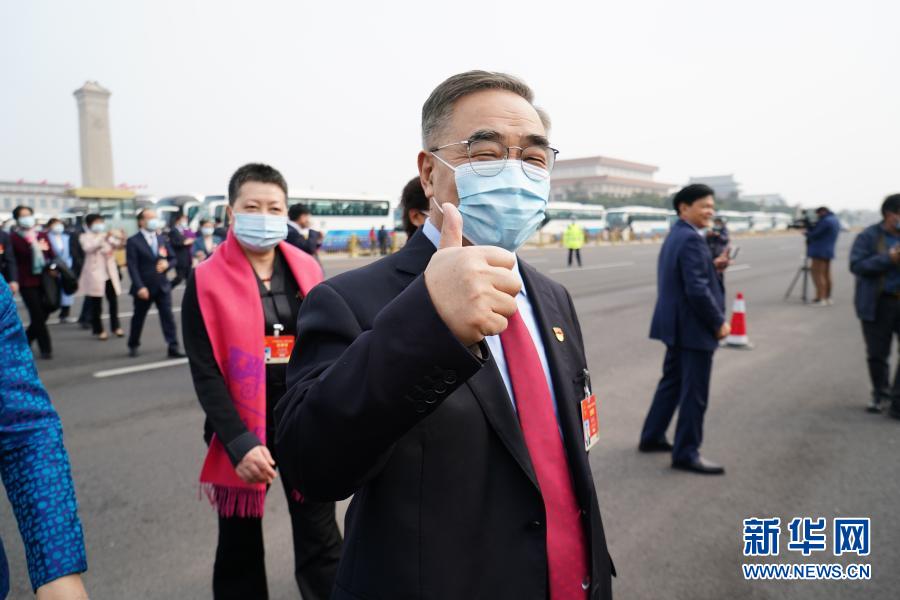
(503, 210)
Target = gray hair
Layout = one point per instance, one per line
(438, 109)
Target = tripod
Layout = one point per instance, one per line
(804, 271)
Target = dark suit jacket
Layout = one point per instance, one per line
(690, 307)
(310, 244)
(8, 267)
(386, 404)
(142, 264)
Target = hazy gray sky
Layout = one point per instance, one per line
(796, 97)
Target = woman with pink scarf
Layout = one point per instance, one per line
(239, 319)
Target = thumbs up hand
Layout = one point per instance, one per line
(472, 288)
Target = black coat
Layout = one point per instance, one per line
(310, 244)
(142, 264)
(386, 404)
(8, 268)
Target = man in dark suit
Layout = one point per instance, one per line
(150, 257)
(443, 385)
(300, 234)
(690, 320)
(8, 268)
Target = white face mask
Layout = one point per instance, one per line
(57, 228)
(98, 227)
(153, 225)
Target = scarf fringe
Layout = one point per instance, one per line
(234, 501)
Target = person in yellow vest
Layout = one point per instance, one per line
(573, 239)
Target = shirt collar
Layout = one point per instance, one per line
(692, 226)
(294, 225)
(434, 236)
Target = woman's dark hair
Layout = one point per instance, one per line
(413, 197)
(891, 204)
(690, 194)
(206, 222)
(257, 172)
(17, 211)
(89, 219)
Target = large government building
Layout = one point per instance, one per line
(44, 198)
(580, 179)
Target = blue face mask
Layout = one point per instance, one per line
(259, 232)
(504, 210)
(26, 221)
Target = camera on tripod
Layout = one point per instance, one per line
(807, 220)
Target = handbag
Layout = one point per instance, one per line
(68, 281)
(50, 290)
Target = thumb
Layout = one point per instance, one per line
(451, 227)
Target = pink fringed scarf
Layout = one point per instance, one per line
(232, 313)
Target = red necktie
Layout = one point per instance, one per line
(566, 545)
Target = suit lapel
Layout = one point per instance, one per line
(548, 315)
(487, 384)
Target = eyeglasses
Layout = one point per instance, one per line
(488, 157)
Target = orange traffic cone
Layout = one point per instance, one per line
(738, 336)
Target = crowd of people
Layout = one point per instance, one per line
(445, 387)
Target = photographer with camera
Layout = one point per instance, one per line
(875, 260)
(821, 239)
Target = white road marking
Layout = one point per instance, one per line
(592, 267)
(737, 268)
(138, 368)
(123, 315)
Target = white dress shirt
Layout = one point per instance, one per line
(493, 341)
(152, 240)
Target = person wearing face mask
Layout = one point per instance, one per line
(150, 258)
(61, 243)
(300, 234)
(447, 383)
(207, 242)
(875, 261)
(239, 319)
(8, 269)
(100, 275)
(182, 239)
(33, 254)
(413, 206)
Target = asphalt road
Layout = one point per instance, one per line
(786, 419)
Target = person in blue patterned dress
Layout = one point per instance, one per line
(35, 469)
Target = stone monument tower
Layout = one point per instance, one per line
(96, 145)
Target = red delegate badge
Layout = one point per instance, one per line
(278, 348)
(590, 422)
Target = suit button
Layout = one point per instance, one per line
(449, 377)
(420, 407)
(535, 525)
(440, 388)
(586, 584)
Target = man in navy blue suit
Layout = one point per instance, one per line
(150, 257)
(690, 320)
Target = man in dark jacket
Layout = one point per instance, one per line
(300, 234)
(418, 386)
(150, 257)
(820, 243)
(690, 320)
(8, 269)
(875, 260)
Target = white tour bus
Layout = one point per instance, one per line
(643, 220)
(592, 217)
(735, 221)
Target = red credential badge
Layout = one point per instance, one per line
(590, 422)
(278, 348)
